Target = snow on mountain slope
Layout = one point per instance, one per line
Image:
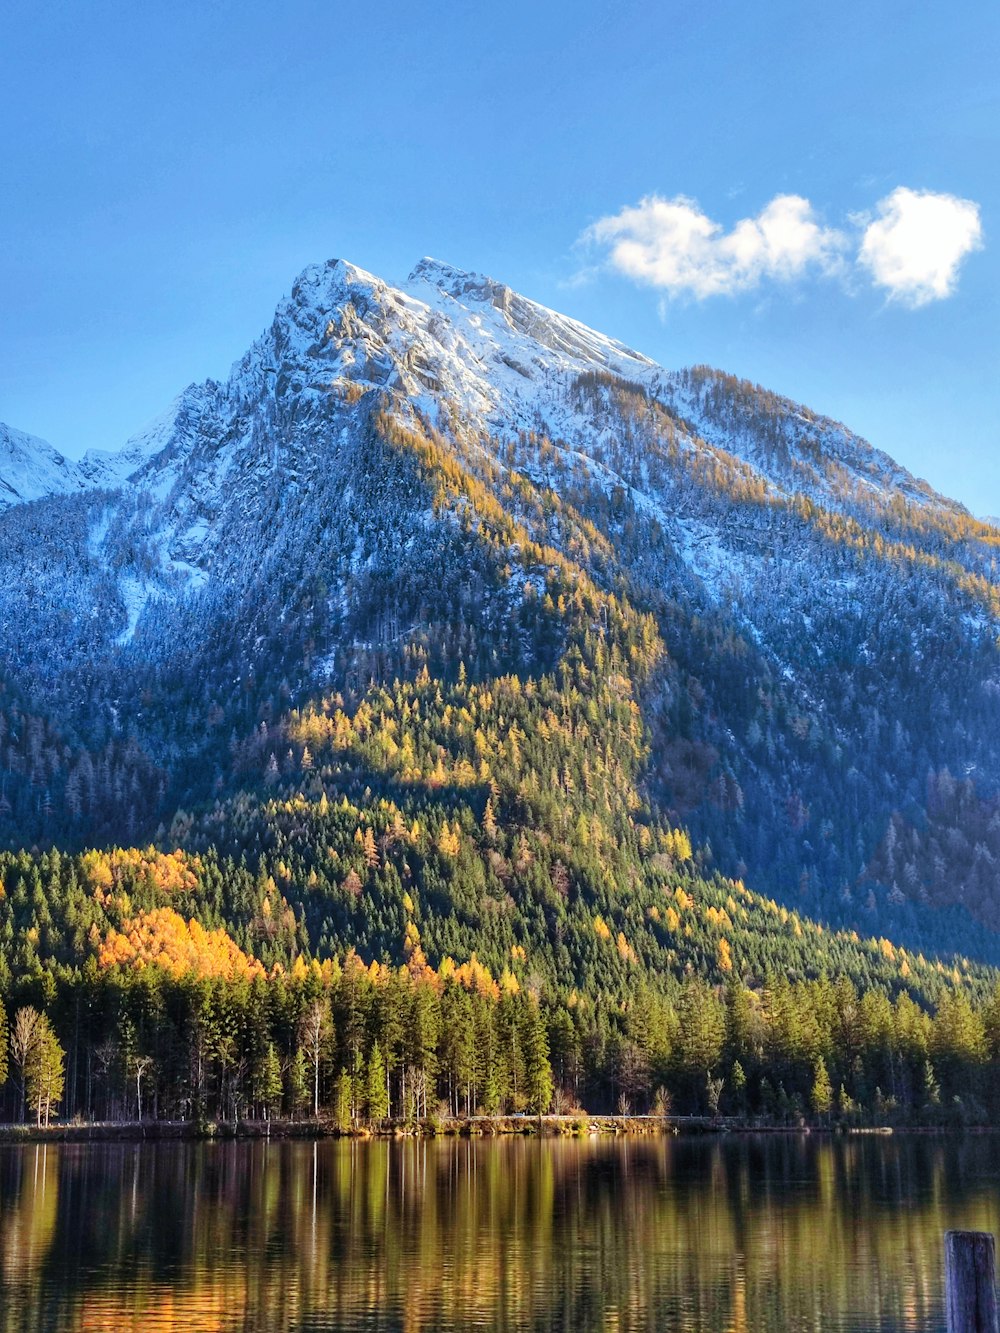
(109, 469)
(450, 341)
(444, 343)
(30, 468)
(443, 335)
(213, 474)
(449, 344)
(796, 448)
(461, 351)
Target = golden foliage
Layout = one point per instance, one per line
(163, 938)
(167, 872)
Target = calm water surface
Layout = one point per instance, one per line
(736, 1235)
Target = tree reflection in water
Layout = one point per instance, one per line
(747, 1235)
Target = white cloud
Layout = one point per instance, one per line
(913, 247)
(671, 244)
(916, 244)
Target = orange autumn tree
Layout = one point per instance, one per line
(163, 938)
(168, 872)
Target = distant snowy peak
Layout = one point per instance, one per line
(105, 468)
(31, 469)
(444, 340)
(438, 299)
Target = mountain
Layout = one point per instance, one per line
(616, 597)
(30, 468)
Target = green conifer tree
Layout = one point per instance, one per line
(738, 1083)
(269, 1082)
(537, 1068)
(822, 1090)
(298, 1082)
(45, 1072)
(376, 1088)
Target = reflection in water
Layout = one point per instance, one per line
(740, 1235)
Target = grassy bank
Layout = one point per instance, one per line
(579, 1125)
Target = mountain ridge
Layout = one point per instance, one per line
(566, 337)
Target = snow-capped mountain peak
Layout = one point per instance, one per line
(528, 319)
(449, 340)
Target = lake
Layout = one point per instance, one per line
(705, 1235)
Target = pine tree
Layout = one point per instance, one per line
(298, 1082)
(846, 1105)
(822, 1090)
(700, 1033)
(376, 1088)
(489, 821)
(537, 1069)
(930, 1089)
(269, 1082)
(738, 1083)
(342, 1101)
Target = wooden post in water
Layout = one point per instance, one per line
(970, 1282)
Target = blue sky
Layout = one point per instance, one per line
(166, 170)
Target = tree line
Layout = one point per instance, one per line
(370, 1045)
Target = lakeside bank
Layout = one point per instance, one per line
(579, 1125)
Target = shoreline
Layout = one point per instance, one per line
(579, 1126)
